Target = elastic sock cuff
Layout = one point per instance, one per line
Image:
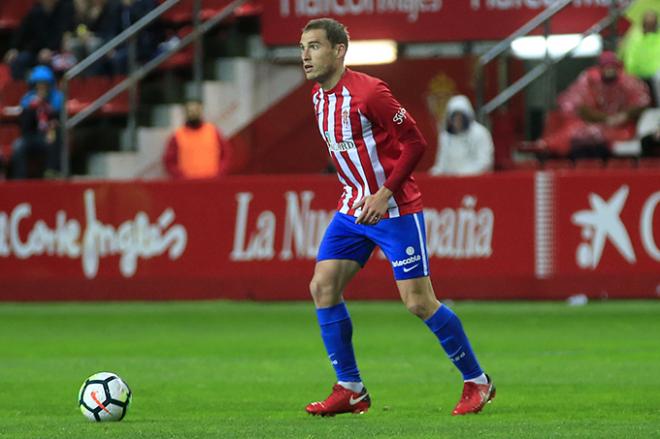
(441, 317)
(332, 314)
(474, 374)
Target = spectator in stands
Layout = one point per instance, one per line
(599, 108)
(131, 11)
(96, 23)
(39, 36)
(465, 147)
(197, 149)
(641, 54)
(39, 134)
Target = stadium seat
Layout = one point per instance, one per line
(649, 162)
(77, 90)
(504, 137)
(8, 133)
(558, 164)
(182, 13)
(12, 12)
(13, 92)
(10, 98)
(183, 58)
(621, 163)
(83, 91)
(249, 9)
(526, 165)
(5, 75)
(589, 164)
(120, 104)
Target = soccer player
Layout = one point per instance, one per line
(375, 145)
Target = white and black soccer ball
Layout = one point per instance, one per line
(104, 397)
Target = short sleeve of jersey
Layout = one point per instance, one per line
(384, 110)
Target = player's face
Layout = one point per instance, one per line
(320, 60)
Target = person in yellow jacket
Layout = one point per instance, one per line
(641, 52)
(197, 149)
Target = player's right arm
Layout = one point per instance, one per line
(384, 110)
(390, 115)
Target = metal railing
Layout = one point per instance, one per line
(484, 109)
(136, 74)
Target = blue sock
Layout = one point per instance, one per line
(337, 332)
(447, 327)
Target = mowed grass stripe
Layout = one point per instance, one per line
(227, 369)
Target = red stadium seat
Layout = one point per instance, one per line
(526, 165)
(10, 98)
(13, 92)
(621, 163)
(589, 164)
(5, 75)
(84, 91)
(558, 164)
(76, 99)
(649, 162)
(12, 12)
(8, 133)
(183, 58)
(249, 9)
(120, 104)
(182, 13)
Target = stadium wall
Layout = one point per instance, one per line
(517, 235)
(288, 129)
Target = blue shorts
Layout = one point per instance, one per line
(402, 239)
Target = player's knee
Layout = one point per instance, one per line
(422, 309)
(320, 288)
(418, 309)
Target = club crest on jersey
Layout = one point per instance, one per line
(338, 147)
(345, 116)
(400, 116)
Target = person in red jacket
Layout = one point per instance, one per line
(197, 149)
(600, 108)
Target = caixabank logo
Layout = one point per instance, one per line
(602, 224)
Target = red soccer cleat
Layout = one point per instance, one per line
(474, 398)
(341, 400)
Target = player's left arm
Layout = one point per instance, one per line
(384, 110)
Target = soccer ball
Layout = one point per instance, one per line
(104, 397)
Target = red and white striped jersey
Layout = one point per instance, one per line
(361, 123)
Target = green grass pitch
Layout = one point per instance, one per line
(246, 370)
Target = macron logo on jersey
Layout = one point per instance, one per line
(400, 116)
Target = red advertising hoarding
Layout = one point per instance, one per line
(423, 20)
(513, 235)
(609, 229)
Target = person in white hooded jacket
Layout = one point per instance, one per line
(465, 147)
